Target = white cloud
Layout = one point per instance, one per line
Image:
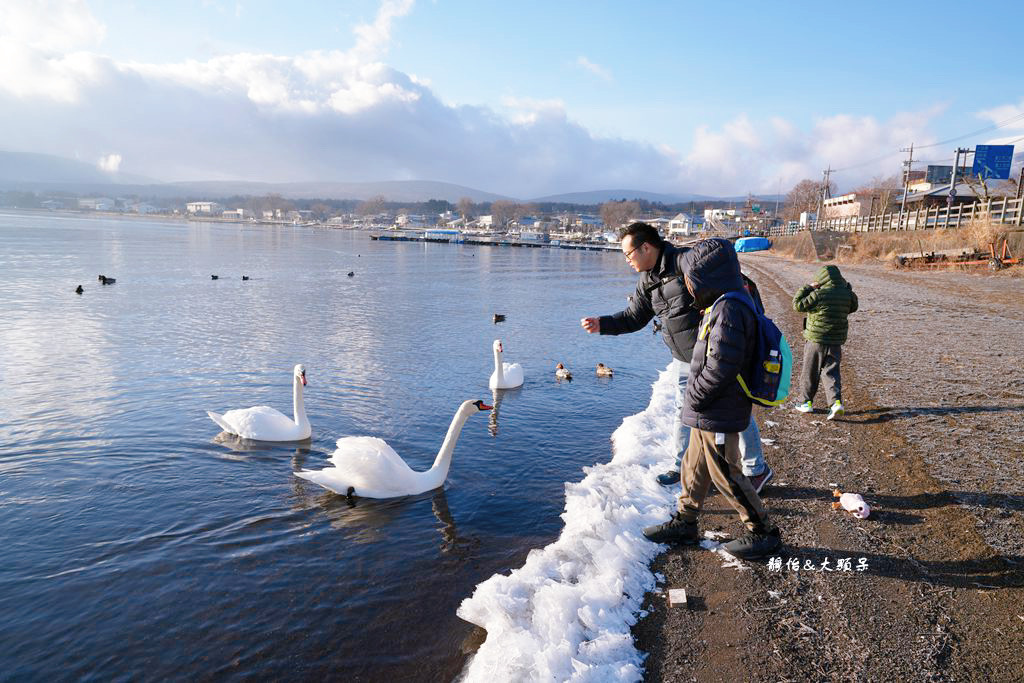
(763, 156)
(49, 25)
(526, 110)
(373, 39)
(109, 163)
(1011, 118)
(593, 68)
(42, 48)
(347, 115)
(1011, 114)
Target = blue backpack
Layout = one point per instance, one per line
(773, 359)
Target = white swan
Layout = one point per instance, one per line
(263, 423)
(505, 375)
(368, 467)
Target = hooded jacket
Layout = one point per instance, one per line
(715, 402)
(826, 307)
(661, 292)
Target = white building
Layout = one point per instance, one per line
(411, 221)
(683, 225)
(719, 214)
(203, 207)
(96, 204)
(236, 214)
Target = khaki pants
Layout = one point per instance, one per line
(707, 461)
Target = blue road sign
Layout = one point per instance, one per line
(993, 161)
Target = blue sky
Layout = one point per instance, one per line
(523, 99)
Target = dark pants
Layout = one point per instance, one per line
(821, 360)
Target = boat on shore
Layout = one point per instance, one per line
(485, 239)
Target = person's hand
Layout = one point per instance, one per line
(815, 285)
(591, 325)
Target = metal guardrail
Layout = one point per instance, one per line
(1007, 210)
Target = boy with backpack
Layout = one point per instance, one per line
(717, 407)
(827, 301)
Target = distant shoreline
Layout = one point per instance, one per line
(376, 234)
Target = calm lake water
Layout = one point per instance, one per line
(137, 545)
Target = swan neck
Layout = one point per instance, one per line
(298, 404)
(444, 456)
(499, 370)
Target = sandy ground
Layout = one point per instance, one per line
(933, 379)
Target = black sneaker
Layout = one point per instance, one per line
(754, 545)
(759, 480)
(669, 478)
(675, 530)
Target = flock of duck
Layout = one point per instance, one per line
(104, 280)
(365, 465)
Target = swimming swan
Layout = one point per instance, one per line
(368, 467)
(263, 423)
(505, 375)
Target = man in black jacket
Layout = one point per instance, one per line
(661, 292)
(715, 407)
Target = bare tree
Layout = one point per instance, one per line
(990, 189)
(465, 207)
(615, 213)
(321, 211)
(804, 196)
(372, 206)
(880, 192)
(503, 211)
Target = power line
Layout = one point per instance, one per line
(950, 159)
(997, 125)
(994, 126)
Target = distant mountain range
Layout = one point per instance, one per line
(27, 168)
(43, 172)
(601, 196)
(392, 190)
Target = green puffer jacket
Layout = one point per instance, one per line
(826, 307)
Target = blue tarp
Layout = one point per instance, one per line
(753, 243)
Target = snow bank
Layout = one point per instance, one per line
(565, 614)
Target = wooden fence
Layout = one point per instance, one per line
(1002, 210)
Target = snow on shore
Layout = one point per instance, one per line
(566, 613)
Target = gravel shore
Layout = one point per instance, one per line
(932, 438)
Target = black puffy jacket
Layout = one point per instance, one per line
(725, 343)
(661, 292)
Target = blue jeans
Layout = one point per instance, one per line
(751, 453)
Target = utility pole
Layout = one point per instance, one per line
(956, 170)
(824, 191)
(778, 192)
(908, 166)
